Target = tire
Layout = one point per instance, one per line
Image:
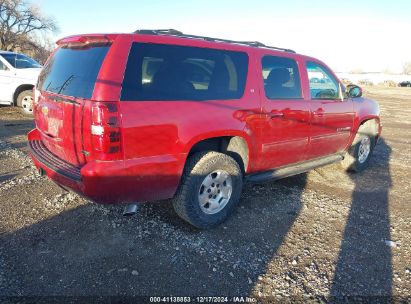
(207, 178)
(25, 102)
(356, 158)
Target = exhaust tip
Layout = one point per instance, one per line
(130, 210)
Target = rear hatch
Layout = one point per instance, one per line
(62, 101)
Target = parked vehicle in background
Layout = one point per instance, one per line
(389, 83)
(18, 76)
(365, 82)
(126, 118)
(406, 83)
(346, 81)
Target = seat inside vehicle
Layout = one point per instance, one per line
(274, 86)
(171, 82)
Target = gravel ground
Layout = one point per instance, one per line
(318, 235)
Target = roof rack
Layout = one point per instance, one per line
(173, 32)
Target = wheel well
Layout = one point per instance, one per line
(20, 89)
(234, 146)
(369, 126)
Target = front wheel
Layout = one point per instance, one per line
(359, 154)
(209, 190)
(25, 102)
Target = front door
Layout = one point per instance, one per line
(286, 132)
(6, 80)
(331, 117)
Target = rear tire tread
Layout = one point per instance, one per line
(186, 193)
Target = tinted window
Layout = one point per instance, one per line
(281, 78)
(20, 61)
(322, 84)
(73, 71)
(168, 72)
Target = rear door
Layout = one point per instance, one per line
(65, 87)
(331, 117)
(286, 127)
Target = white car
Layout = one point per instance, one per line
(18, 76)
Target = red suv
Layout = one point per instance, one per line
(153, 115)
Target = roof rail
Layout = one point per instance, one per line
(173, 32)
(159, 32)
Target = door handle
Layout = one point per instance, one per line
(319, 112)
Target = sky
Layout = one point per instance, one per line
(369, 35)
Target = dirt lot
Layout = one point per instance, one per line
(313, 235)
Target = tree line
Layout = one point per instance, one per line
(24, 28)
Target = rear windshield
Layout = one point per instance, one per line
(169, 72)
(73, 71)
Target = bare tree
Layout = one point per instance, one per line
(44, 47)
(20, 24)
(406, 68)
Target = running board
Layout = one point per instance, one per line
(294, 169)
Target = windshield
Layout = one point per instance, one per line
(73, 72)
(20, 61)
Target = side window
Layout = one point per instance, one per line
(150, 66)
(322, 84)
(199, 72)
(281, 78)
(22, 62)
(170, 72)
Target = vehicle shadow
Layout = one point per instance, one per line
(90, 250)
(6, 176)
(364, 266)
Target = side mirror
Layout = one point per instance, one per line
(354, 91)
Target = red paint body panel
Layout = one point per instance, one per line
(157, 136)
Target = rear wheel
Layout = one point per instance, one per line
(210, 189)
(25, 102)
(359, 154)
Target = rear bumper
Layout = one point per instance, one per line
(112, 182)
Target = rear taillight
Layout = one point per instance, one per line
(105, 130)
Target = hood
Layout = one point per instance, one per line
(28, 73)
